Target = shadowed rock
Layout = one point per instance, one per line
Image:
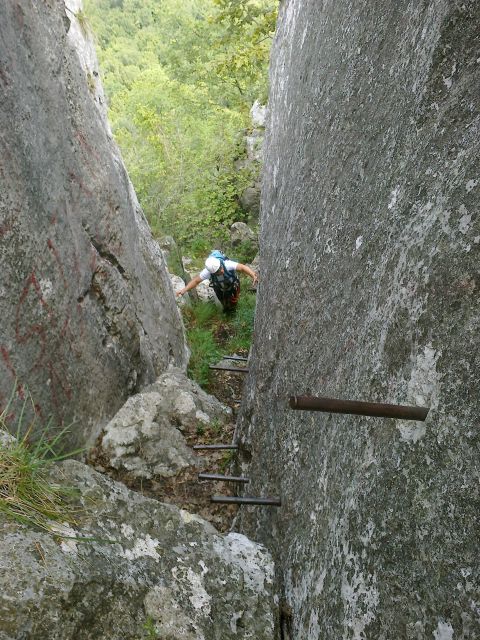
(88, 315)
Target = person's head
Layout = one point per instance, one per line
(213, 265)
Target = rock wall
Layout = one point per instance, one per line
(370, 291)
(130, 568)
(88, 313)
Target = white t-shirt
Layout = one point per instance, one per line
(230, 265)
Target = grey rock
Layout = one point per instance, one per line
(241, 232)
(206, 293)
(81, 40)
(250, 199)
(88, 312)
(178, 284)
(6, 439)
(131, 561)
(258, 114)
(145, 438)
(167, 245)
(370, 240)
(254, 143)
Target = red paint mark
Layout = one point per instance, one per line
(74, 178)
(35, 328)
(3, 77)
(11, 369)
(86, 146)
(58, 260)
(5, 228)
(76, 264)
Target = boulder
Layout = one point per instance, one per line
(258, 113)
(146, 437)
(206, 293)
(130, 565)
(254, 144)
(178, 284)
(250, 199)
(240, 233)
(88, 312)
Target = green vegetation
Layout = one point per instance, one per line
(26, 493)
(149, 629)
(181, 77)
(211, 334)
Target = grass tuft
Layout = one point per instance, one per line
(27, 495)
(212, 334)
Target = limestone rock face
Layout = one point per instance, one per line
(145, 438)
(370, 283)
(150, 567)
(88, 313)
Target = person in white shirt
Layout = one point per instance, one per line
(224, 280)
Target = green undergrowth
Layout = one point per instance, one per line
(212, 334)
(27, 494)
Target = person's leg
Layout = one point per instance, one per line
(231, 299)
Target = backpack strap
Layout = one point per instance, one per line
(227, 280)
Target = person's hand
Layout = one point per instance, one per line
(179, 293)
(255, 278)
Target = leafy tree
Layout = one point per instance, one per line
(180, 76)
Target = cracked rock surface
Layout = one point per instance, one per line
(148, 564)
(88, 313)
(370, 291)
(145, 438)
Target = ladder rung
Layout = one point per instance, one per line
(215, 446)
(274, 502)
(218, 476)
(234, 369)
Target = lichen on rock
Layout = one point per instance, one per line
(128, 562)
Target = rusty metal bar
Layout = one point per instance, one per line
(376, 409)
(242, 358)
(218, 476)
(235, 369)
(215, 446)
(274, 502)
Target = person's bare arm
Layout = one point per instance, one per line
(191, 285)
(248, 271)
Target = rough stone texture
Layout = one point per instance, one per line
(149, 563)
(145, 436)
(206, 293)
(250, 197)
(178, 284)
(258, 113)
(370, 290)
(88, 314)
(240, 232)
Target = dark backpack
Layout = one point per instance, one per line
(228, 279)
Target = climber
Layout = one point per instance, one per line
(222, 273)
